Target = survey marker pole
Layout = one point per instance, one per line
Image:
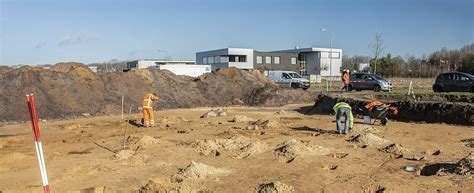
(36, 131)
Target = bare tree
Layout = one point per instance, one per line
(377, 49)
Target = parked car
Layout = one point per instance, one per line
(454, 82)
(288, 78)
(365, 81)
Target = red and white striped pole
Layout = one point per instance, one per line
(36, 131)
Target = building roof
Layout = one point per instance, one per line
(312, 49)
(165, 61)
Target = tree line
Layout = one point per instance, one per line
(443, 60)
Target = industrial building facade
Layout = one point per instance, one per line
(145, 63)
(306, 61)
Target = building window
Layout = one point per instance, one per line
(293, 60)
(335, 55)
(210, 60)
(259, 59)
(217, 59)
(276, 59)
(224, 59)
(268, 59)
(204, 60)
(237, 58)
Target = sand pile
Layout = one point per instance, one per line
(466, 165)
(241, 119)
(124, 154)
(294, 148)
(274, 187)
(198, 171)
(251, 149)
(242, 146)
(145, 142)
(369, 139)
(363, 128)
(264, 124)
(395, 148)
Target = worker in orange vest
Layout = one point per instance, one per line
(345, 79)
(148, 101)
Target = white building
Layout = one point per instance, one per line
(228, 57)
(306, 61)
(145, 63)
(186, 69)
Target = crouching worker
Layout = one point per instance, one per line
(343, 109)
(148, 117)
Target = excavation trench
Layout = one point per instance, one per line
(409, 111)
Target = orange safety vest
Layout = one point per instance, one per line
(373, 104)
(148, 101)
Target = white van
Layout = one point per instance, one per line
(288, 78)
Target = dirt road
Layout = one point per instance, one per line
(184, 152)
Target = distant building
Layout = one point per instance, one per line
(306, 61)
(92, 68)
(364, 67)
(185, 69)
(228, 57)
(145, 63)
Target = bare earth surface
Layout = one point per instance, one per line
(264, 149)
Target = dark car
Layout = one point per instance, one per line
(454, 82)
(365, 81)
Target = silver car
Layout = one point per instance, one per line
(364, 81)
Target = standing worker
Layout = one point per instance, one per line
(148, 101)
(345, 80)
(343, 109)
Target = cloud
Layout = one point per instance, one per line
(71, 40)
(40, 45)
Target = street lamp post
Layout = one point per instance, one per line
(330, 57)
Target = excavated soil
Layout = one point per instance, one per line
(369, 139)
(418, 111)
(293, 148)
(69, 90)
(239, 146)
(198, 171)
(274, 187)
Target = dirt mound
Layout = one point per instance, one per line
(275, 187)
(293, 148)
(264, 124)
(466, 165)
(251, 149)
(68, 66)
(241, 146)
(68, 90)
(363, 128)
(5, 69)
(241, 119)
(198, 171)
(145, 142)
(369, 139)
(124, 154)
(395, 148)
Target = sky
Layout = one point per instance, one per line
(89, 31)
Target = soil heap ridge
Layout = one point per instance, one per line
(68, 90)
